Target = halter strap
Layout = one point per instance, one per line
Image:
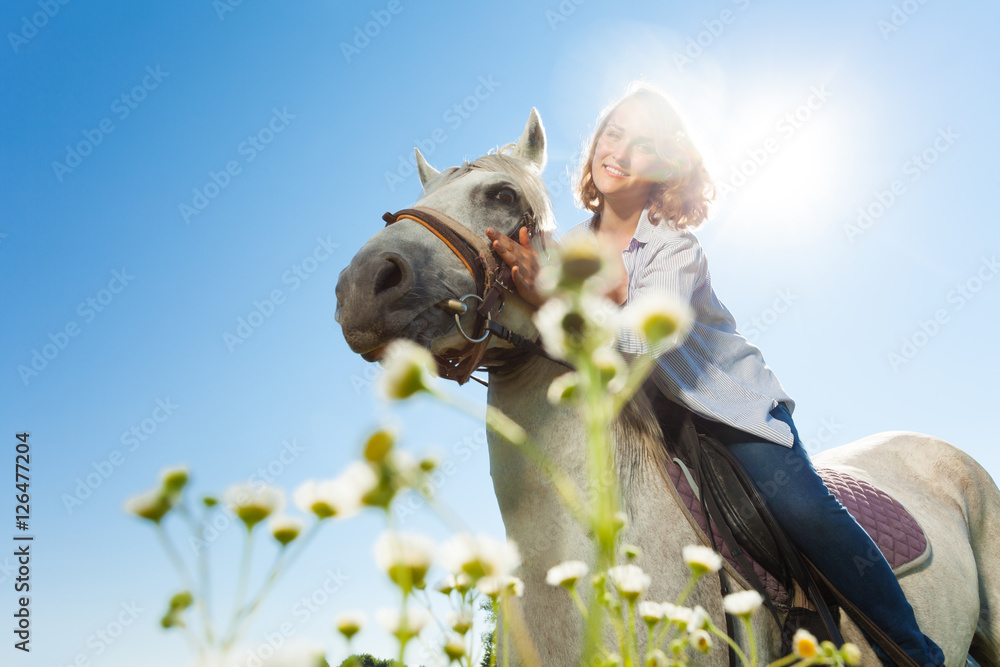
(492, 278)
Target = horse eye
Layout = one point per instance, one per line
(506, 195)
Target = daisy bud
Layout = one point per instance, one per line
(181, 601)
(378, 445)
(174, 479)
(851, 654)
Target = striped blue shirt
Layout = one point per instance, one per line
(715, 372)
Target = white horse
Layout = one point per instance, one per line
(398, 285)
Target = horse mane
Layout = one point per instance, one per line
(638, 442)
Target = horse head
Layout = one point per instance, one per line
(413, 279)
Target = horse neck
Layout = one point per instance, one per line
(534, 515)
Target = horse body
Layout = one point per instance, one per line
(395, 287)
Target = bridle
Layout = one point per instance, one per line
(493, 281)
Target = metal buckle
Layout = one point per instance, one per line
(458, 322)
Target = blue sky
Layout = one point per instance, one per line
(167, 168)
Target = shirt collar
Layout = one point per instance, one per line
(643, 230)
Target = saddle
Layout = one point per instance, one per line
(741, 527)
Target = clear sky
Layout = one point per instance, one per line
(170, 167)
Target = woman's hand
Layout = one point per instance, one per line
(523, 262)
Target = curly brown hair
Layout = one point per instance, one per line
(681, 200)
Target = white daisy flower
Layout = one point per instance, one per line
(460, 621)
(661, 320)
(701, 559)
(564, 388)
(649, 611)
(567, 331)
(328, 498)
(698, 620)
(701, 640)
(454, 648)
(392, 622)
(742, 604)
(804, 644)
(479, 556)
(349, 623)
(566, 573)
(610, 364)
(657, 658)
(253, 503)
(495, 586)
(285, 528)
(630, 580)
(150, 505)
(408, 370)
(405, 557)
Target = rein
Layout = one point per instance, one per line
(493, 281)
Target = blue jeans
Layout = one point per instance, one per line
(829, 536)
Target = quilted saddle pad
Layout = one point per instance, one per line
(895, 531)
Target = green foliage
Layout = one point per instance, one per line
(365, 660)
(488, 632)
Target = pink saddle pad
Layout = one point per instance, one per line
(895, 531)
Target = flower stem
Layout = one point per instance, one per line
(752, 640)
(729, 640)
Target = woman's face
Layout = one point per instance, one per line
(626, 165)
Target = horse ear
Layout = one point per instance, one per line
(531, 145)
(424, 170)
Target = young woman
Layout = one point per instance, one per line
(647, 187)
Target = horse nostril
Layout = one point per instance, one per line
(388, 276)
